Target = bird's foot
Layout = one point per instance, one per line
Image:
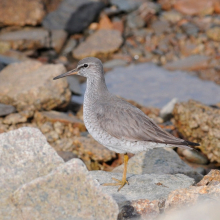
(120, 183)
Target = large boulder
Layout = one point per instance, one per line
(200, 123)
(29, 86)
(25, 155)
(159, 161)
(68, 192)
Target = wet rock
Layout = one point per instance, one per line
(167, 111)
(21, 13)
(214, 33)
(211, 179)
(25, 155)
(194, 7)
(159, 161)
(34, 88)
(99, 43)
(68, 192)
(83, 17)
(145, 193)
(74, 85)
(199, 123)
(191, 196)
(193, 156)
(6, 109)
(191, 63)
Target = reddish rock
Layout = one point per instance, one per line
(195, 7)
(118, 25)
(105, 22)
(211, 179)
(21, 13)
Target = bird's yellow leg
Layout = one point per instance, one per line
(122, 182)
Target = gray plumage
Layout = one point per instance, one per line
(115, 123)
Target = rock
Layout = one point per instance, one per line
(105, 22)
(192, 156)
(199, 123)
(58, 39)
(214, 33)
(32, 86)
(127, 5)
(195, 7)
(202, 211)
(21, 13)
(13, 56)
(34, 38)
(14, 118)
(172, 16)
(211, 179)
(6, 109)
(160, 27)
(74, 85)
(52, 5)
(114, 63)
(27, 38)
(25, 155)
(99, 44)
(83, 17)
(145, 194)
(78, 12)
(68, 192)
(159, 161)
(66, 155)
(191, 196)
(191, 63)
(135, 21)
(190, 29)
(70, 45)
(167, 111)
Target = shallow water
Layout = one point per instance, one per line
(151, 85)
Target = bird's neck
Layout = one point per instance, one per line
(95, 88)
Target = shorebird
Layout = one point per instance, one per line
(115, 123)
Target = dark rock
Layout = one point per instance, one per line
(83, 17)
(6, 109)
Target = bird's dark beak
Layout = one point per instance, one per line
(71, 72)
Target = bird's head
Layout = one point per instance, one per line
(87, 67)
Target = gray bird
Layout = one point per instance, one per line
(115, 123)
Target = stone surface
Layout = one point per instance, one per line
(21, 13)
(194, 7)
(25, 155)
(27, 38)
(145, 193)
(35, 88)
(68, 192)
(6, 109)
(211, 179)
(159, 161)
(167, 110)
(214, 33)
(127, 5)
(199, 123)
(83, 17)
(191, 63)
(99, 44)
(14, 118)
(192, 156)
(190, 196)
(58, 39)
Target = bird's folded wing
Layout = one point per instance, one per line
(129, 123)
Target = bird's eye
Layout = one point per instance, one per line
(85, 65)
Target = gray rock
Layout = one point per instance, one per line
(147, 190)
(190, 29)
(68, 192)
(167, 110)
(135, 21)
(160, 27)
(159, 161)
(25, 155)
(33, 86)
(74, 85)
(114, 63)
(70, 45)
(6, 109)
(127, 5)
